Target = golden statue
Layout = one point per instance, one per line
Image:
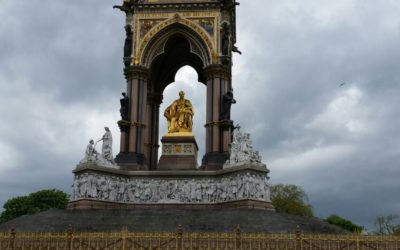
(179, 115)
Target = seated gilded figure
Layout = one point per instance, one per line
(180, 115)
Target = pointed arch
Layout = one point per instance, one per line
(154, 42)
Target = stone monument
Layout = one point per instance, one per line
(161, 37)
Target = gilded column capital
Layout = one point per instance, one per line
(217, 70)
(136, 72)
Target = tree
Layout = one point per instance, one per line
(15, 207)
(50, 198)
(33, 203)
(343, 223)
(386, 225)
(290, 199)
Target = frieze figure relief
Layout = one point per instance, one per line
(186, 190)
(207, 24)
(147, 24)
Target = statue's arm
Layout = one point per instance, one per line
(167, 112)
(189, 106)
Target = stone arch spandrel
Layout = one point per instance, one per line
(154, 41)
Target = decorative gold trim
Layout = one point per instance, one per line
(179, 134)
(171, 18)
(184, 14)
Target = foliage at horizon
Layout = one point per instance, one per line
(33, 203)
(290, 199)
(343, 223)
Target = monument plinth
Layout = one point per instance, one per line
(179, 152)
(179, 147)
(242, 187)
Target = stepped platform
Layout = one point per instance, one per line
(167, 220)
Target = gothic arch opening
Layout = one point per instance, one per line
(177, 53)
(186, 80)
(171, 49)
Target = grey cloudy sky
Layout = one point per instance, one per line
(61, 79)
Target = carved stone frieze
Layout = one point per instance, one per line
(186, 189)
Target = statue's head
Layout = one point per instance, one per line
(181, 94)
(91, 141)
(225, 26)
(123, 94)
(107, 129)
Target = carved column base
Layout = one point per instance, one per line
(124, 125)
(130, 161)
(214, 160)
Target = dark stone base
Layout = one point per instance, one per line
(167, 220)
(214, 160)
(130, 161)
(87, 203)
(177, 162)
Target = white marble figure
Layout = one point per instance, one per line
(242, 151)
(105, 159)
(244, 185)
(106, 148)
(90, 153)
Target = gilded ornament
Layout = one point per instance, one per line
(180, 115)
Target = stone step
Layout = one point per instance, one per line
(160, 220)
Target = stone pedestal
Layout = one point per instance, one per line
(179, 152)
(241, 187)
